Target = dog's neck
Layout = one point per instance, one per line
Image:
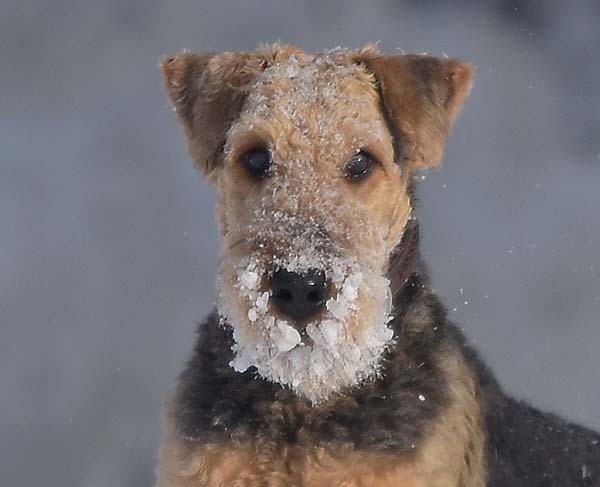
(404, 261)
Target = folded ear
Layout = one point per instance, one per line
(421, 96)
(207, 92)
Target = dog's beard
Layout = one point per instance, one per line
(345, 344)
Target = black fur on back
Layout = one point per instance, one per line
(527, 447)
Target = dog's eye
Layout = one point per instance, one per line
(257, 162)
(359, 165)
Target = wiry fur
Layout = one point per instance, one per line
(415, 407)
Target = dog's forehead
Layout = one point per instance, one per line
(324, 97)
(319, 82)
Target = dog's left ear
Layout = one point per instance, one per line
(421, 96)
(207, 92)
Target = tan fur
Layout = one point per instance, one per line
(186, 464)
(453, 454)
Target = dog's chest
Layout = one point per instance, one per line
(249, 466)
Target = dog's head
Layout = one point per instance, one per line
(312, 156)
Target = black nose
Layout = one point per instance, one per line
(299, 296)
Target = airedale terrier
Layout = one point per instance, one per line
(329, 360)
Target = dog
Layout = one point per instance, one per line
(329, 360)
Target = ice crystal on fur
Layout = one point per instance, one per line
(333, 356)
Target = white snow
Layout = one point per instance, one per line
(248, 279)
(285, 337)
(341, 351)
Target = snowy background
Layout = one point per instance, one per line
(108, 246)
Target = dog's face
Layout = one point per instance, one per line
(311, 195)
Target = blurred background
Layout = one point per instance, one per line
(108, 246)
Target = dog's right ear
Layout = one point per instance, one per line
(207, 92)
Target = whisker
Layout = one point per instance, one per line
(229, 249)
(235, 244)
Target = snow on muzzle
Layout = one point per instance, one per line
(318, 349)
